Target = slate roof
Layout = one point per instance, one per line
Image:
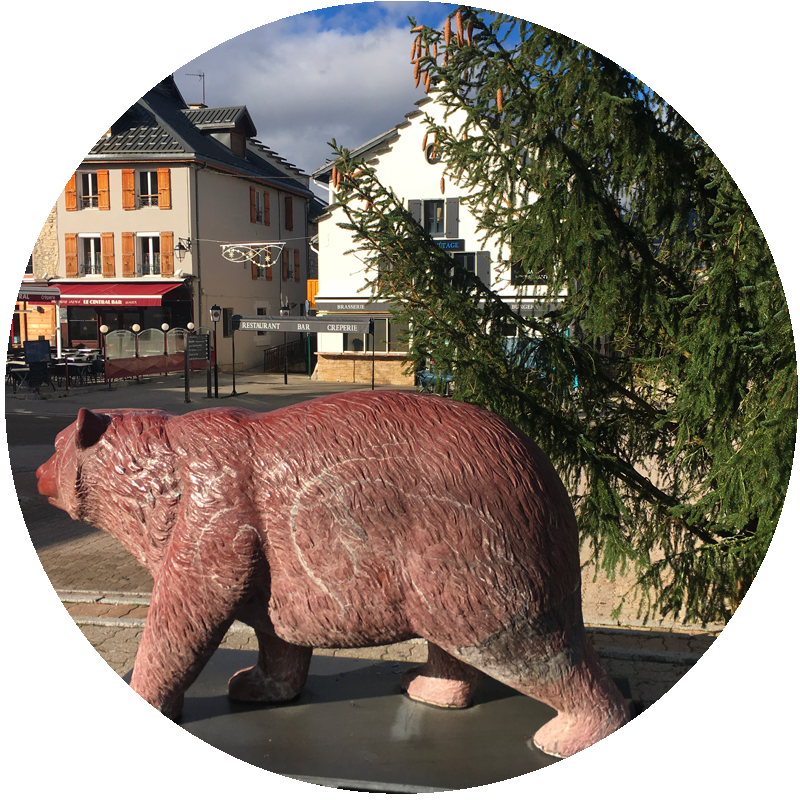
(322, 174)
(161, 127)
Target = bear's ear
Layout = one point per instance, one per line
(90, 428)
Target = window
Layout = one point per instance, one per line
(148, 188)
(433, 217)
(390, 337)
(90, 197)
(439, 218)
(431, 156)
(149, 255)
(477, 264)
(91, 263)
(260, 267)
(289, 213)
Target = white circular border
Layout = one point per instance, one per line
(73, 730)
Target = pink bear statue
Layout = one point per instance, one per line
(358, 519)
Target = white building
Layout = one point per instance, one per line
(416, 176)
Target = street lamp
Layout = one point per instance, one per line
(165, 329)
(216, 311)
(103, 332)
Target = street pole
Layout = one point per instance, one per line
(216, 361)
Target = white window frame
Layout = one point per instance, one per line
(88, 182)
(94, 265)
(259, 197)
(144, 248)
(147, 200)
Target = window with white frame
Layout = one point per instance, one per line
(149, 255)
(90, 252)
(90, 195)
(260, 266)
(259, 201)
(148, 188)
(433, 217)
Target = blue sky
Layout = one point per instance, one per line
(337, 73)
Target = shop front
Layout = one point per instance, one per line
(120, 306)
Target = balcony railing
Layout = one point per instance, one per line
(89, 201)
(148, 200)
(150, 266)
(90, 268)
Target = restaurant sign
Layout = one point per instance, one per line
(327, 324)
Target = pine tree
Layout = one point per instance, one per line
(676, 436)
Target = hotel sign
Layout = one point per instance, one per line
(451, 244)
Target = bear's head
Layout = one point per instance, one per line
(59, 476)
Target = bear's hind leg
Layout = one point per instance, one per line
(549, 658)
(443, 681)
(278, 676)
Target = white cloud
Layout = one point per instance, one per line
(308, 79)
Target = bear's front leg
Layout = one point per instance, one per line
(279, 675)
(198, 589)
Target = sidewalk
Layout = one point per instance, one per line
(107, 593)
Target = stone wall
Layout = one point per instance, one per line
(357, 368)
(45, 251)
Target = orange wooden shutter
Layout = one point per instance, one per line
(254, 266)
(266, 207)
(128, 189)
(71, 195)
(109, 266)
(71, 254)
(253, 217)
(297, 265)
(289, 216)
(103, 198)
(312, 288)
(128, 255)
(167, 254)
(164, 201)
(285, 261)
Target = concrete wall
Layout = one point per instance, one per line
(223, 216)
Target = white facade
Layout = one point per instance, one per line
(403, 165)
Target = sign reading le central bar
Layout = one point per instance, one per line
(329, 323)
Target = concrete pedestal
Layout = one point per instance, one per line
(353, 728)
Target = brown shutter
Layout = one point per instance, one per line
(289, 216)
(266, 207)
(297, 265)
(71, 195)
(103, 198)
(109, 266)
(71, 254)
(269, 268)
(167, 253)
(285, 261)
(164, 200)
(252, 205)
(128, 255)
(254, 266)
(128, 189)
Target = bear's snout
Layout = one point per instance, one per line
(46, 474)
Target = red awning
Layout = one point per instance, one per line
(115, 294)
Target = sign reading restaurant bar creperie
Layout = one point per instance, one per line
(329, 323)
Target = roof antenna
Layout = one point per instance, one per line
(202, 76)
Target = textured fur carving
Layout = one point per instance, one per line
(353, 520)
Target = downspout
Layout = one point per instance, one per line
(196, 241)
